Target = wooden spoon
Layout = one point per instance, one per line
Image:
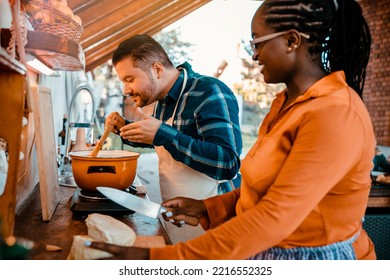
(99, 145)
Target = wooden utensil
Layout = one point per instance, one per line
(99, 145)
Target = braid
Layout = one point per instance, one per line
(340, 38)
(349, 44)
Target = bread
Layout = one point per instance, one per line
(79, 251)
(32, 9)
(59, 3)
(66, 10)
(78, 20)
(43, 16)
(102, 228)
(108, 229)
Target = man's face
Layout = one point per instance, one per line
(139, 85)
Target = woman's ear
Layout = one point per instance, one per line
(293, 40)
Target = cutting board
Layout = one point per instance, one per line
(46, 150)
(149, 241)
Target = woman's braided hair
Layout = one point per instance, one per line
(339, 34)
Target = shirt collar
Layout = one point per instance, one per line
(174, 92)
(323, 87)
(327, 85)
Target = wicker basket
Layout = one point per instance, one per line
(44, 17)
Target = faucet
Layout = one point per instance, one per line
(65, 166)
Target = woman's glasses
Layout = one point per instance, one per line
(262, 39)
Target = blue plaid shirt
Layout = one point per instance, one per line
(205, 134)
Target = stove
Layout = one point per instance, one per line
(86, 202)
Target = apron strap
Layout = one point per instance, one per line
(181, 93)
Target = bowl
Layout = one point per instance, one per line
(110, 168)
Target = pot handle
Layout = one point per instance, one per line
(101, 169)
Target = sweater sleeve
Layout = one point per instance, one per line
(221, 208)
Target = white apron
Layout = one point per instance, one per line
(177, 179)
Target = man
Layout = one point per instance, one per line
(380, 162)
(194, 127)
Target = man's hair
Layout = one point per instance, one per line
(338, 33)
(143, 51)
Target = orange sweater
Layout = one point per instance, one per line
(305, 182)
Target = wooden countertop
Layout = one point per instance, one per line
(379, 196)
(59, 231)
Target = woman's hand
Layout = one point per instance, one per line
(183, 210)
(120, 252)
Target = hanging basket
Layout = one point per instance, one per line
(45, 18)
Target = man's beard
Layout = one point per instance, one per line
(147, 94)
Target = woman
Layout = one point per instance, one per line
(306, 181)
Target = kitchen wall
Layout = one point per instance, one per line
(377, 88)
(62, 87)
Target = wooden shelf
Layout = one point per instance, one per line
(9, 64)
(58, 53)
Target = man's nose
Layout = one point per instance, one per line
(127, 90)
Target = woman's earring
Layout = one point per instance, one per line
(292, 47)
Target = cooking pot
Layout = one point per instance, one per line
(110, 168)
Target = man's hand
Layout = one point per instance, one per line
(116, 120)
(142, 131)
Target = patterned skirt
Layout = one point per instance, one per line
(336, 251)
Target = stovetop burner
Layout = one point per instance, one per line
(91, 195)
(86, 202)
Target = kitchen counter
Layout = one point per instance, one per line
(379, 196)
(64, 224)
(59, 231)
